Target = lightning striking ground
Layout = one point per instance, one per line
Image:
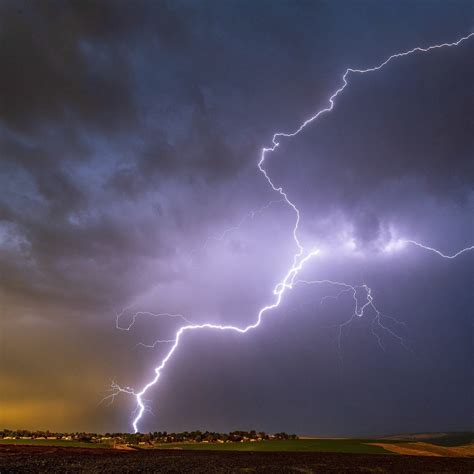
(300, 258)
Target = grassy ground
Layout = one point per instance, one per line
(299, 445)
(355, 446)
(53, 442)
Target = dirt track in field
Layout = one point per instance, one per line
(427, 449)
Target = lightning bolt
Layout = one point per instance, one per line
(299, 258)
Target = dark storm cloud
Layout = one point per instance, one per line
(64, 59)
(366, 227)
(129, 134)
(67, 85)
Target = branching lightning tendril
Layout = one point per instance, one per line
(300, 258)
(441, 254)
(145, 313)
(246, 217)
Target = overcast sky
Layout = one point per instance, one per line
(129, 139)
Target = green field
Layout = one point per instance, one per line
(301, 445)
(322, 445)
(54, 442)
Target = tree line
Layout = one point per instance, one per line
(149, 438)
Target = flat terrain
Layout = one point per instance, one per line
(54, 459)
(331, 445)
(350, 445)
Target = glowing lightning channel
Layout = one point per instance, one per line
(299, 259)
(441, 254)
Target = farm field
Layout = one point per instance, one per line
(455, 446)
(54, 459)
(298, 445)
(450, 446)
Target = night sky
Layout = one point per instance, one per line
(129, 139)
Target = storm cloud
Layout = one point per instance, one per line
(129, 138)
